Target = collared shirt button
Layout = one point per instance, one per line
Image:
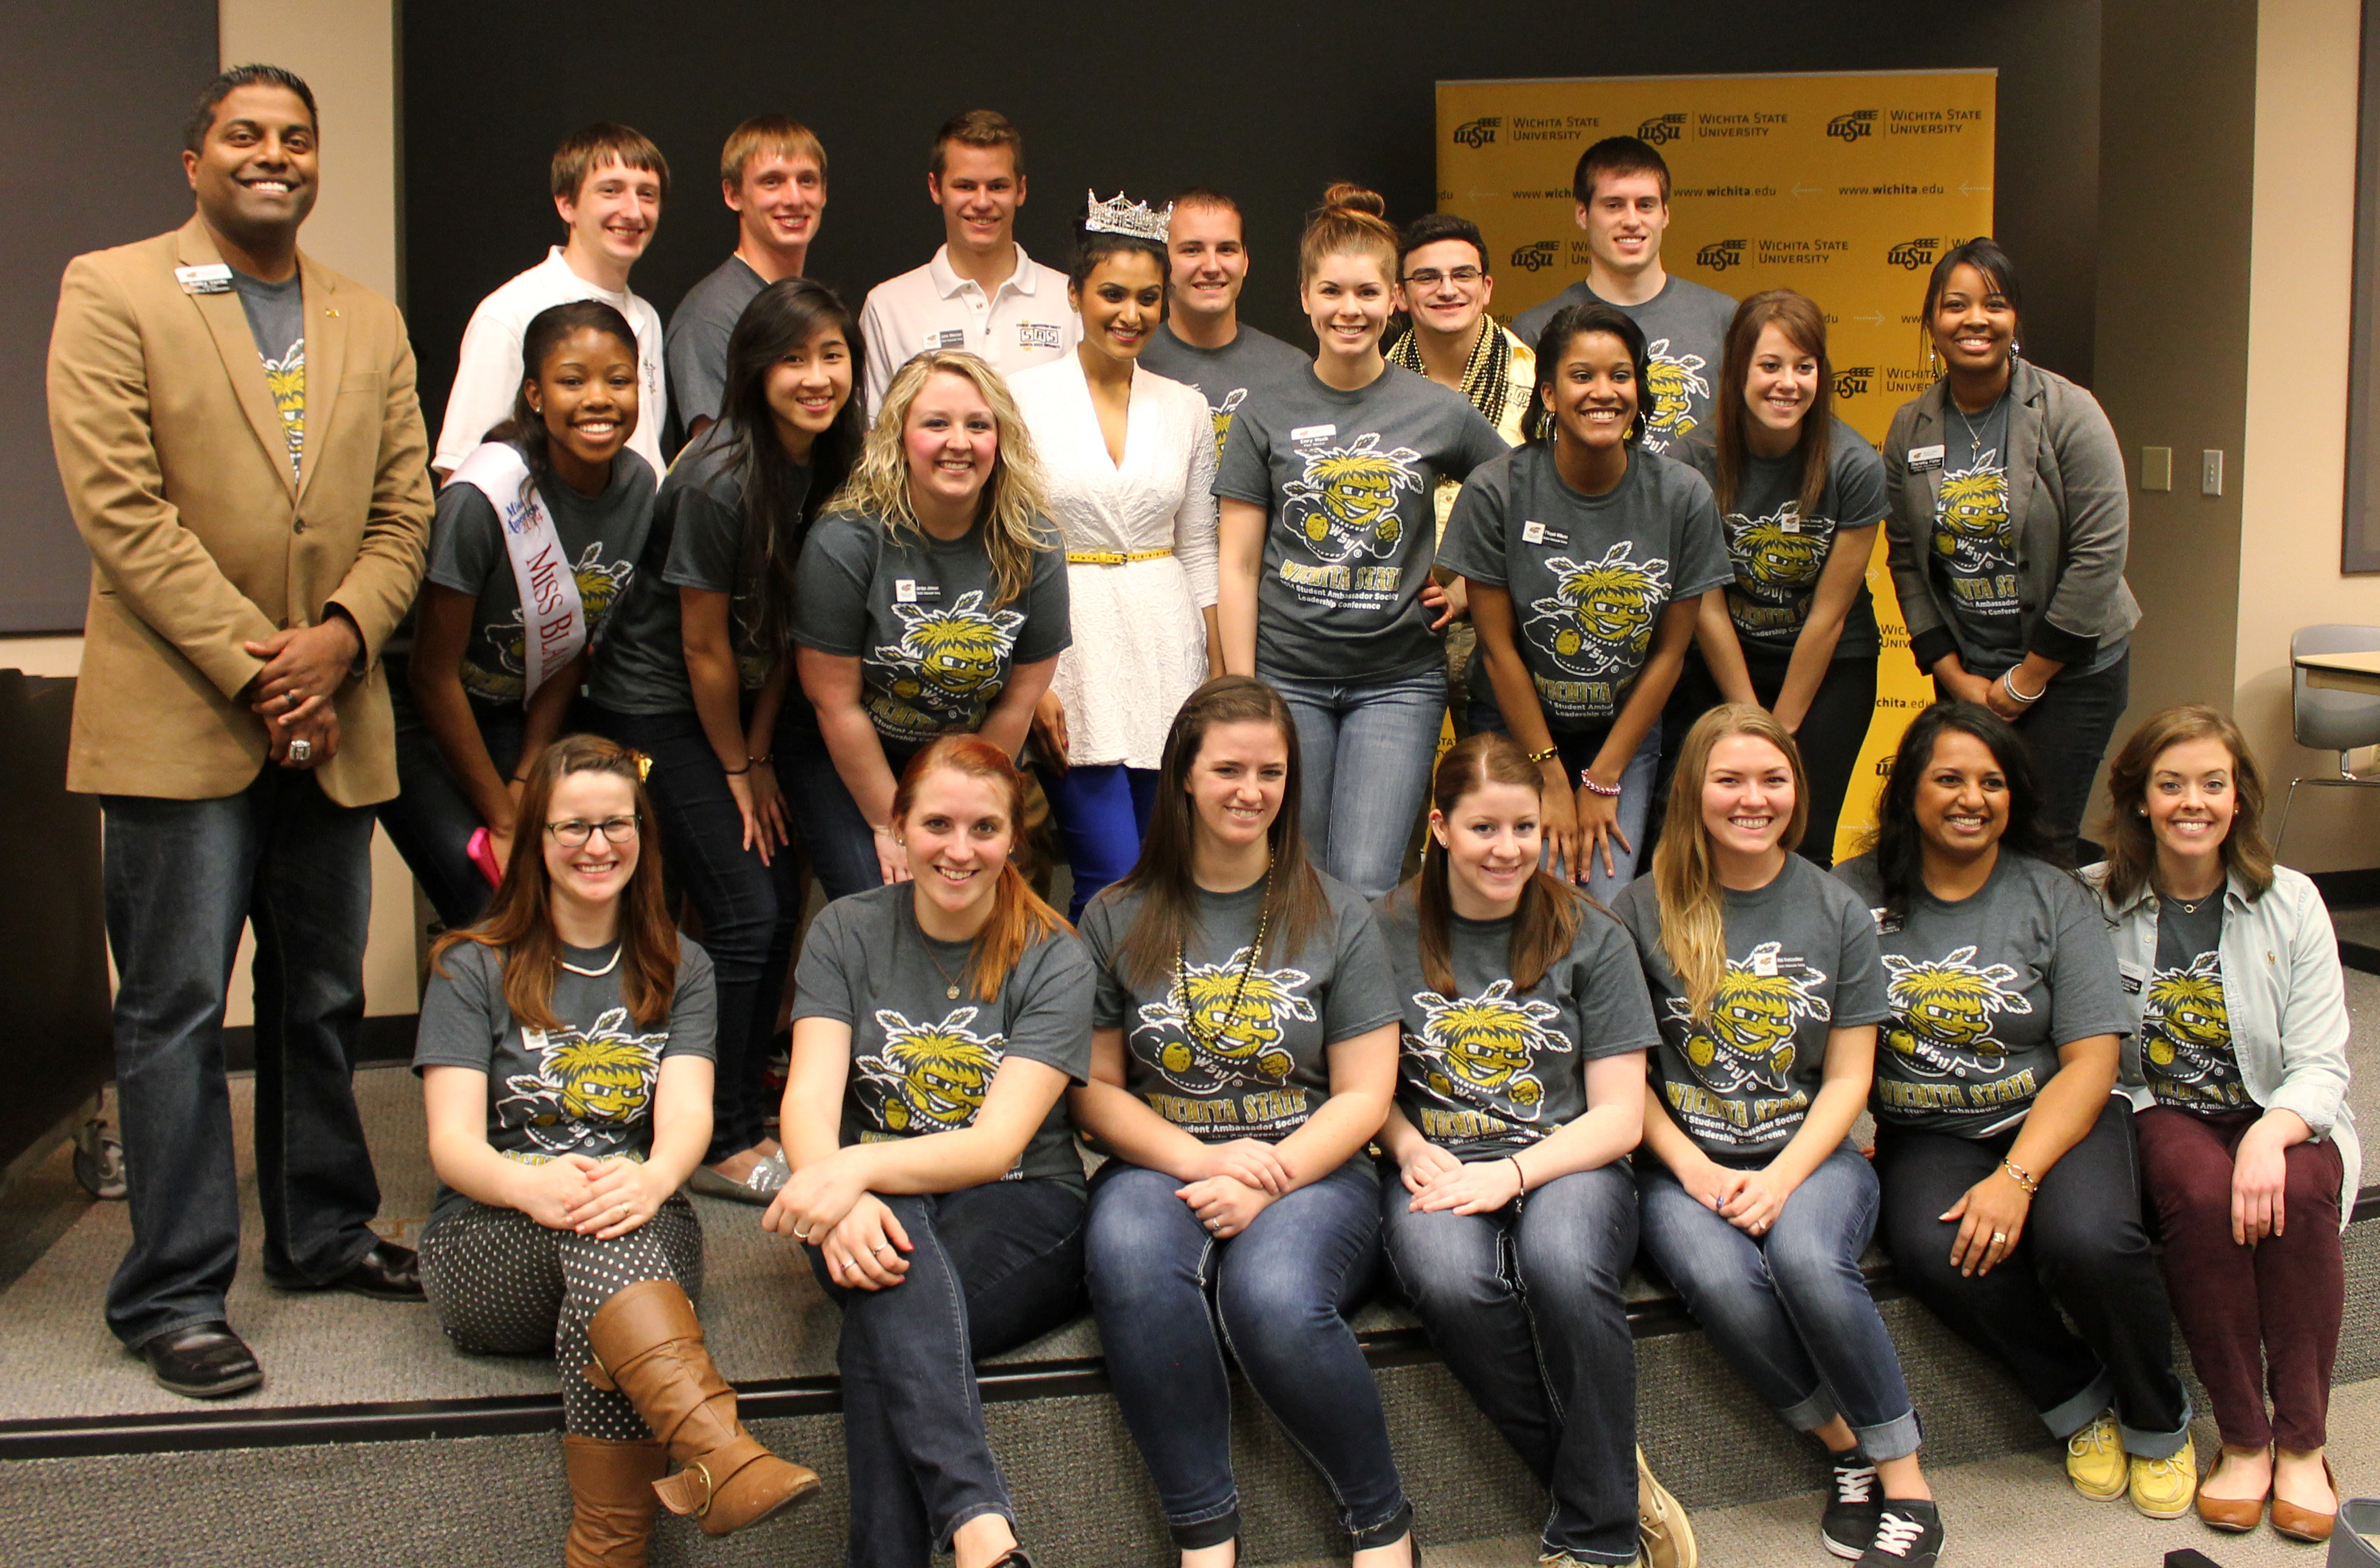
(299, 526)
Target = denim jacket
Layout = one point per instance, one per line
(2284, 995)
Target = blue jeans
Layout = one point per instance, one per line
(430, 820)
(1528, 1306)
(1171, 1300)
(1578, 749)
(995, 1266)
(1789, 1309)
(180, 878)
(841, 845)
(1365, 749)
(2067, 731)
(1102, 814)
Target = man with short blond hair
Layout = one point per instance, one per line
(609, 183)
(772, 177)
(1202, 342)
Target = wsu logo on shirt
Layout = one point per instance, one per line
(1748, 1039)
(1971, 532)
(1943, 1009)
(600, 588)
(1345, 506)
(2185, 1030)
(587, 1087)
(1600, 617)
(949, 660)
(1674, 380)
(1477, 1051)
(928, 1077)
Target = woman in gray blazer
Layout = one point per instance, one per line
(2007, 534)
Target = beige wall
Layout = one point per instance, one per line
(2292, 478)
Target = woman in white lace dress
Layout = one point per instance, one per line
(1128, 465)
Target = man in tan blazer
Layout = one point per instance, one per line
(238, 434)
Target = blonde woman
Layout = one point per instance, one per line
(1768, 988)
(931, 601)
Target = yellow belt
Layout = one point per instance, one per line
(1113, 557)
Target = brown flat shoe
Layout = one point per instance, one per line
(2236, 1516)
(2305, 1523)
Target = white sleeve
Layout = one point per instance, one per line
(487, 379)
(876, 332)
(1193, 523)
(652, 373)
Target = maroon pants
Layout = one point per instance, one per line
(2256, 1318)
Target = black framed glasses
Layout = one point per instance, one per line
(1430, 277)
(573, 833)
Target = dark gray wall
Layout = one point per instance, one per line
(1270, 101)
(93, 122)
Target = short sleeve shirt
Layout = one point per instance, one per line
(1686, 340)
(2187, 1056)
(1492, 1069)
(1802, 962)
(1589, 575)
(1779, 554)
(602, 536)
(276, 319)
(935, 650)
(695, 346)
(1973, 546)
(1347, 479)
(1232, 1043)
(1229, 376)
(1984, 992)
(583, 1088)
(922, 1059)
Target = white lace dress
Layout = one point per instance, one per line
(1140, 636)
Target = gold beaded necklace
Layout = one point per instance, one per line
(1209, 1040)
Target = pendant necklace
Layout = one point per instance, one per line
(950, 986)
(608, 964)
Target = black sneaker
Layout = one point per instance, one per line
(1908, 1535)
(1850, 1523)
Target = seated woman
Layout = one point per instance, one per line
(2238, 1074)
(2012, 1200)
(565, 1053)
(1767, 979)
(1520, 1092)
(1245, 1052)
(936, 1023)
(486, 686)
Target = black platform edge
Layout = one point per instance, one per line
(2359, 956)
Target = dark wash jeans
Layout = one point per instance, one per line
(1832, 732)
(2068, 731)
(1528, 1306)
(181, 877)
(430, 820)
(2085, 1248)
(1790, 1310)
(1171, 1300)
(994, 1267)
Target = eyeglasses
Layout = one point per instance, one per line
(574, 834)
(1430, 277)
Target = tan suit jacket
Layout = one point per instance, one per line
(177, 474)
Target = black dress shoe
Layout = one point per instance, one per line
(205, 1361)
(387, 1272)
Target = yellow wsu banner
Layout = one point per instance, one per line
(1846, 186)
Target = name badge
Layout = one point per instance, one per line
(1535, 533)
(2132, 977)
(1765, 965)
(1886, 925)
(1789, 524)
(1314, 432)
(950, 337)
(214, 278)
(905, 590)
(1926, 456)
(1039, 334)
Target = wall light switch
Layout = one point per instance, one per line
(2210, 472)
(2157, 467)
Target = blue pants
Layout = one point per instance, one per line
(1102, 814)
(1578, 748)
(430, 820)
(181, 876)
(1789, 1309)
(1365, 750)
(841, 845)
(1528, 1306)
(1171, 1300)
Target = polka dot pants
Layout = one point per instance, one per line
(503, 1285)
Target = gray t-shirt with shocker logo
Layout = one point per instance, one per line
(934, 651)
(1973, 546)
(1589, 575)
(2187, 1056)
(922, 1059)
(1228, 378)
(1492, 1070)
(1984, 990)
(1347, 481)
(1801, 962)
(1685, 338)
(1249, 1059)
(1779, 554)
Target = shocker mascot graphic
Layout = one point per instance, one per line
(1475, 1051)
(1748, 1039)
(1224, 414)
(1345, 506)
(1601, 613)
(1776, 552)
(948, 660)
(2184, 1027)
(1231, 1044)
(586, 1088)
(1674, 380)
(599, 588)
(1972, 534)
(930, 1077)
(1943, 1010)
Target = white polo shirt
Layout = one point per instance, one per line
(1026, 321)
(487, 372)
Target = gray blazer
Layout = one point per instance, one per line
(2070, 512)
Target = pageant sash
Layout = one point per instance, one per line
(553, 620)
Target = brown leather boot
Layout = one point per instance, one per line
(649, 1347)
(610, 1500)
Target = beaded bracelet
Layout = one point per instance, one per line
(1608, 792)
(2022, 1177)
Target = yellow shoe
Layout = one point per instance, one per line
(1668, 1540)
(2095, 1459)
(2163, 1489)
